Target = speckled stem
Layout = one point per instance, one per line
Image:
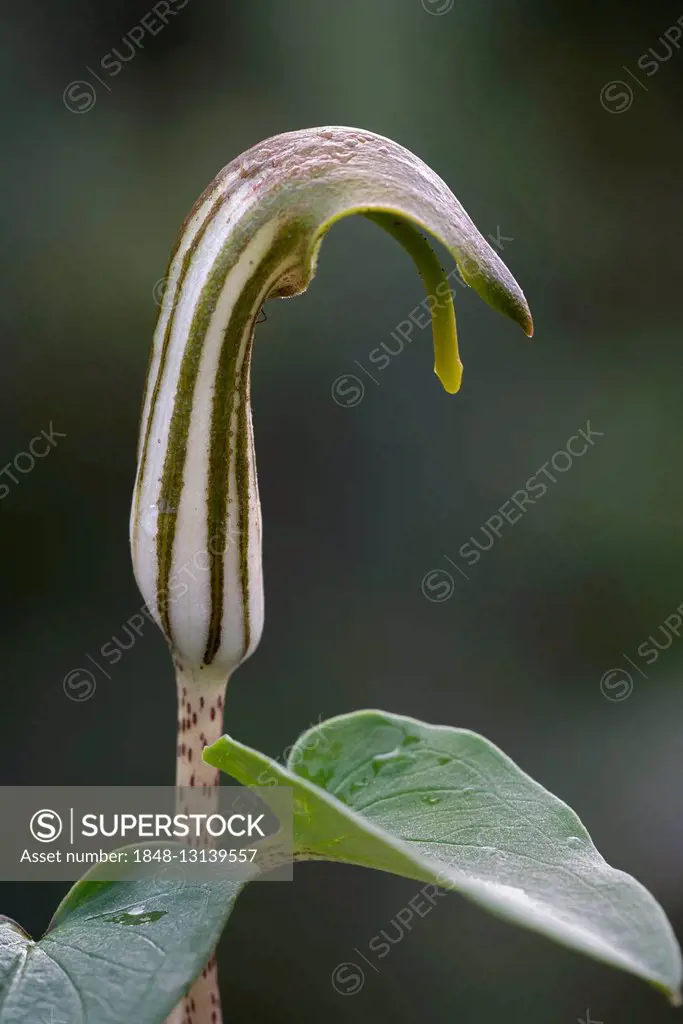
(201, 700)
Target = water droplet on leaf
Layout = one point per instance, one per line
(137, 917)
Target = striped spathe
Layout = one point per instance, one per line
(255, 234)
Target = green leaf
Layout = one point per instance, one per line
(115, 952)
(445, 806)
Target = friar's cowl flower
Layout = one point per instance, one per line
(254, 235)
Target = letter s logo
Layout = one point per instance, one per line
(46, 826)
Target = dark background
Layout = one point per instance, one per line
(502, 98)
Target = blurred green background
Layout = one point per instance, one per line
(503, 99)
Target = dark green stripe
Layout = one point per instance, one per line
(224, 443)
(243, 484)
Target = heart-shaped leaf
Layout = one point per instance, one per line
(115, 952)
(445, 806)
